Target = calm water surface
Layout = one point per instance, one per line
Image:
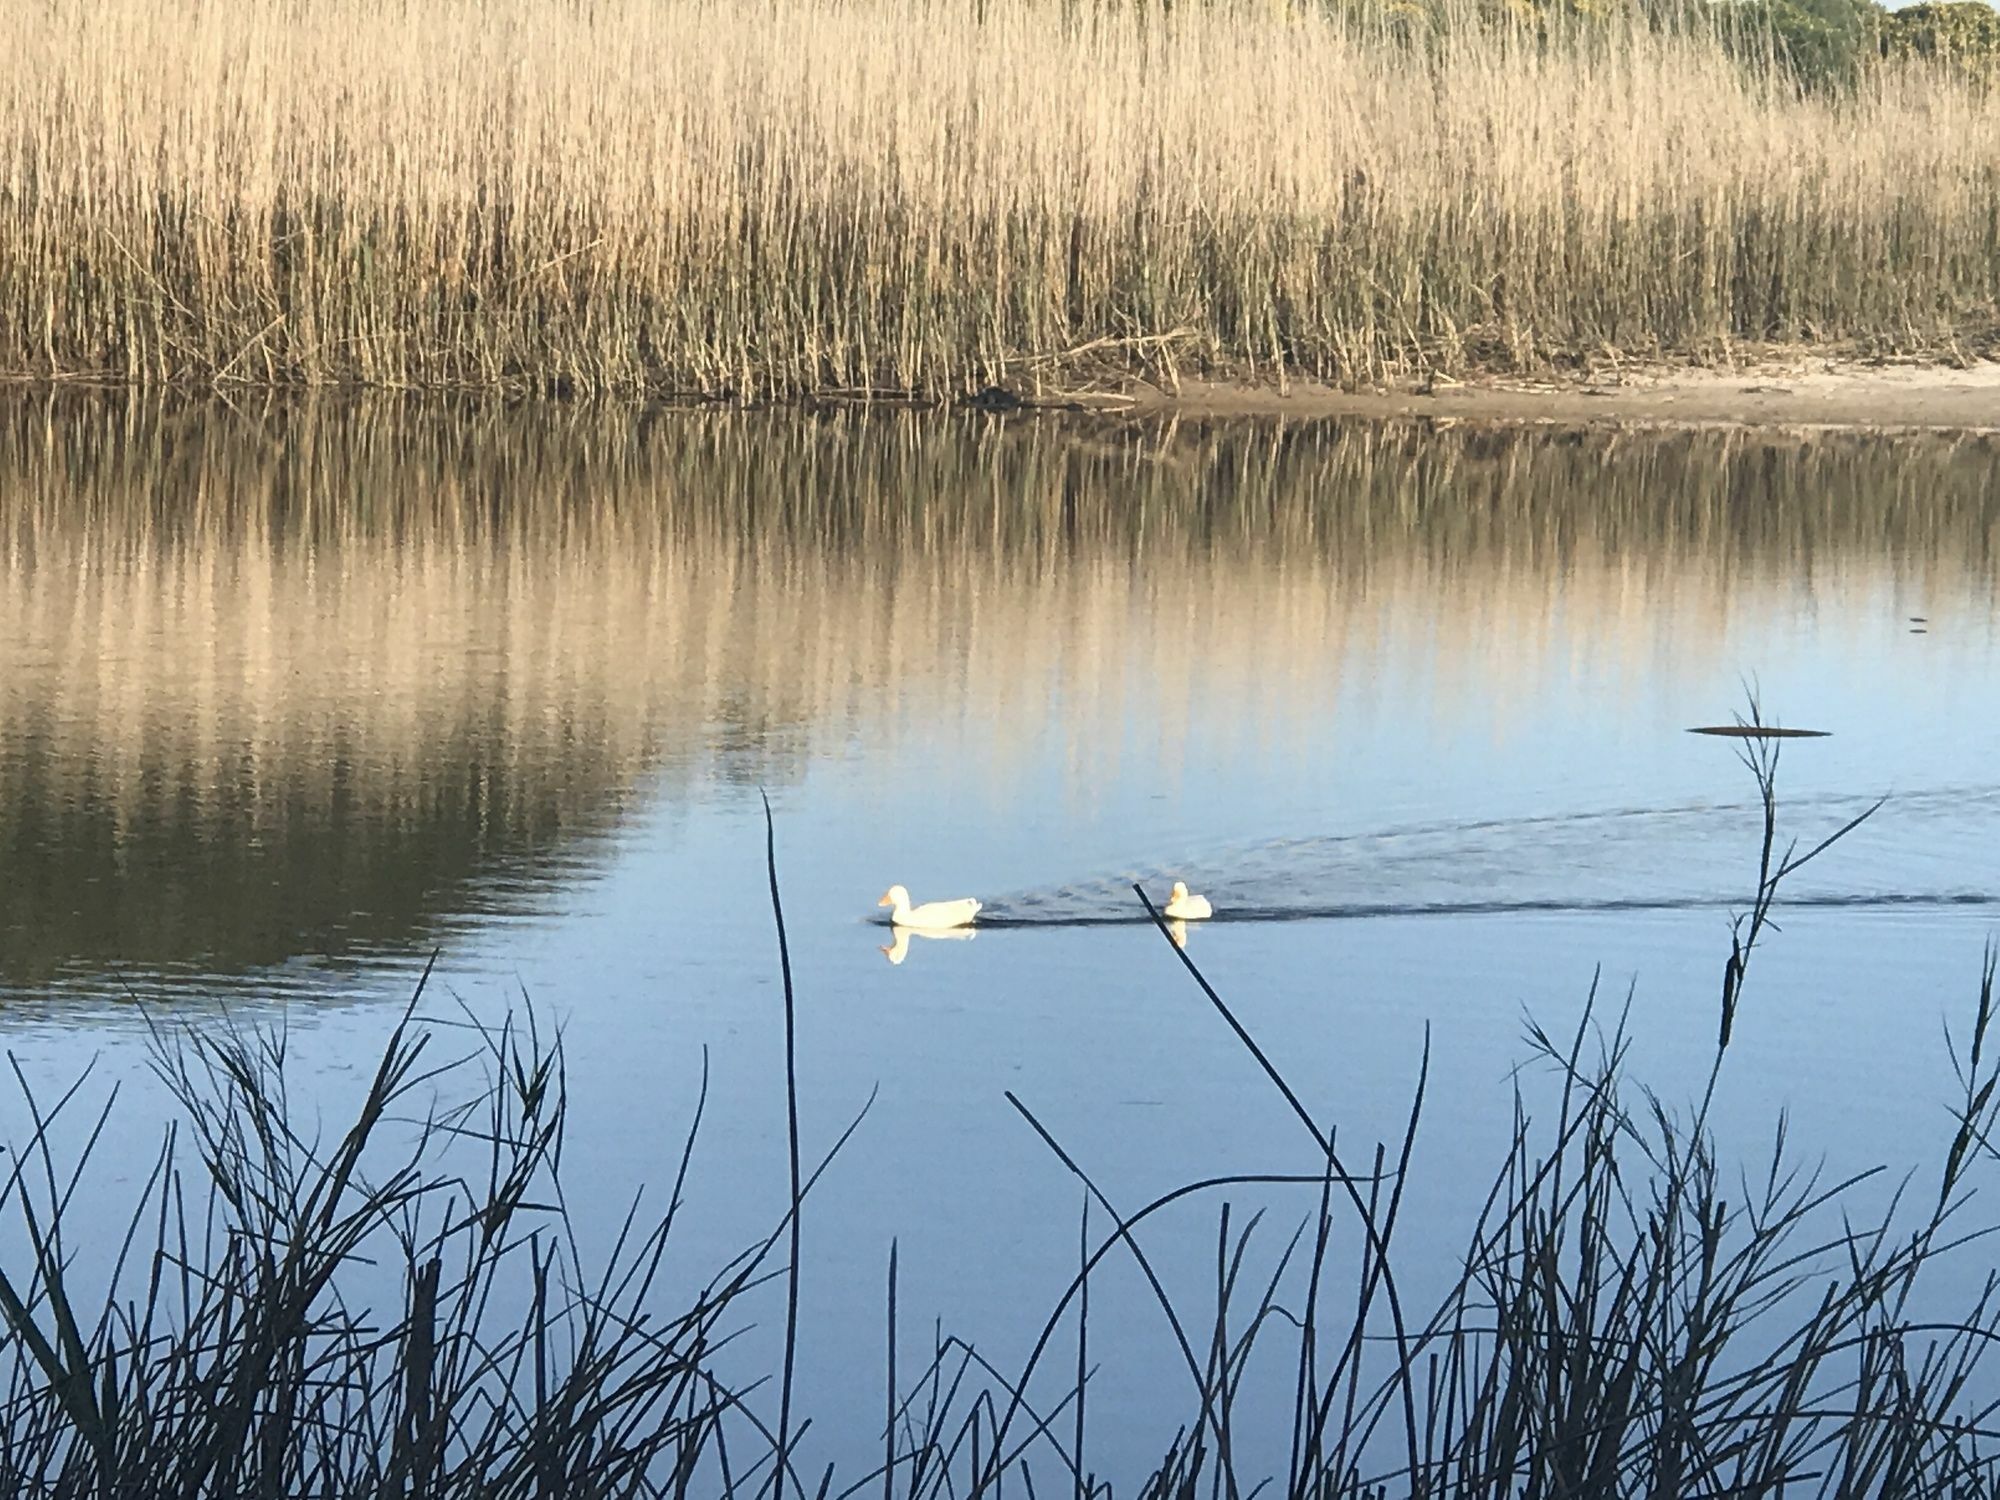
(290, 697)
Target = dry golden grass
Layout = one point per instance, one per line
(785, 196)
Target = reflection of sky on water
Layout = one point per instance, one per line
(285, 702)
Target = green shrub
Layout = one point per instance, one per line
(1821, 43)
(1964, 34)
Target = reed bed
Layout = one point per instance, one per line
(752, 198)
(1634, 1314)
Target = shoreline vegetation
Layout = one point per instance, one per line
(751, 200)
(1636, 1312)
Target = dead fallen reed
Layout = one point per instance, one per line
(1635, 1314)
(746, 198)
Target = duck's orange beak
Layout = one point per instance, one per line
(885, 901)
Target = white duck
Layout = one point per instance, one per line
(1183, 907)
(935, 915)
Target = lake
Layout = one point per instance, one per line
(293, 695)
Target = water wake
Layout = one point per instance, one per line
(1931, 850)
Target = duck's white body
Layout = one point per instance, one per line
(932, 915)
(1182, 906)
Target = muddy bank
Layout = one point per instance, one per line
(1776, 393)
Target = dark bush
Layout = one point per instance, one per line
(1964, 34)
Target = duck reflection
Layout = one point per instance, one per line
(898, 950)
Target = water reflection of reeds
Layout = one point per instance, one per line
(310, 678)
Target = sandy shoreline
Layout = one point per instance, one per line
(1812, 393)
(1831, 393)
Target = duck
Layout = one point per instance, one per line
(1185, 907)
(935, 915)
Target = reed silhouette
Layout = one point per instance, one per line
(1631, 1316)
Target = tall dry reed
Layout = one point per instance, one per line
(759, 197)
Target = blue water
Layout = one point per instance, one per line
(1416, 726)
